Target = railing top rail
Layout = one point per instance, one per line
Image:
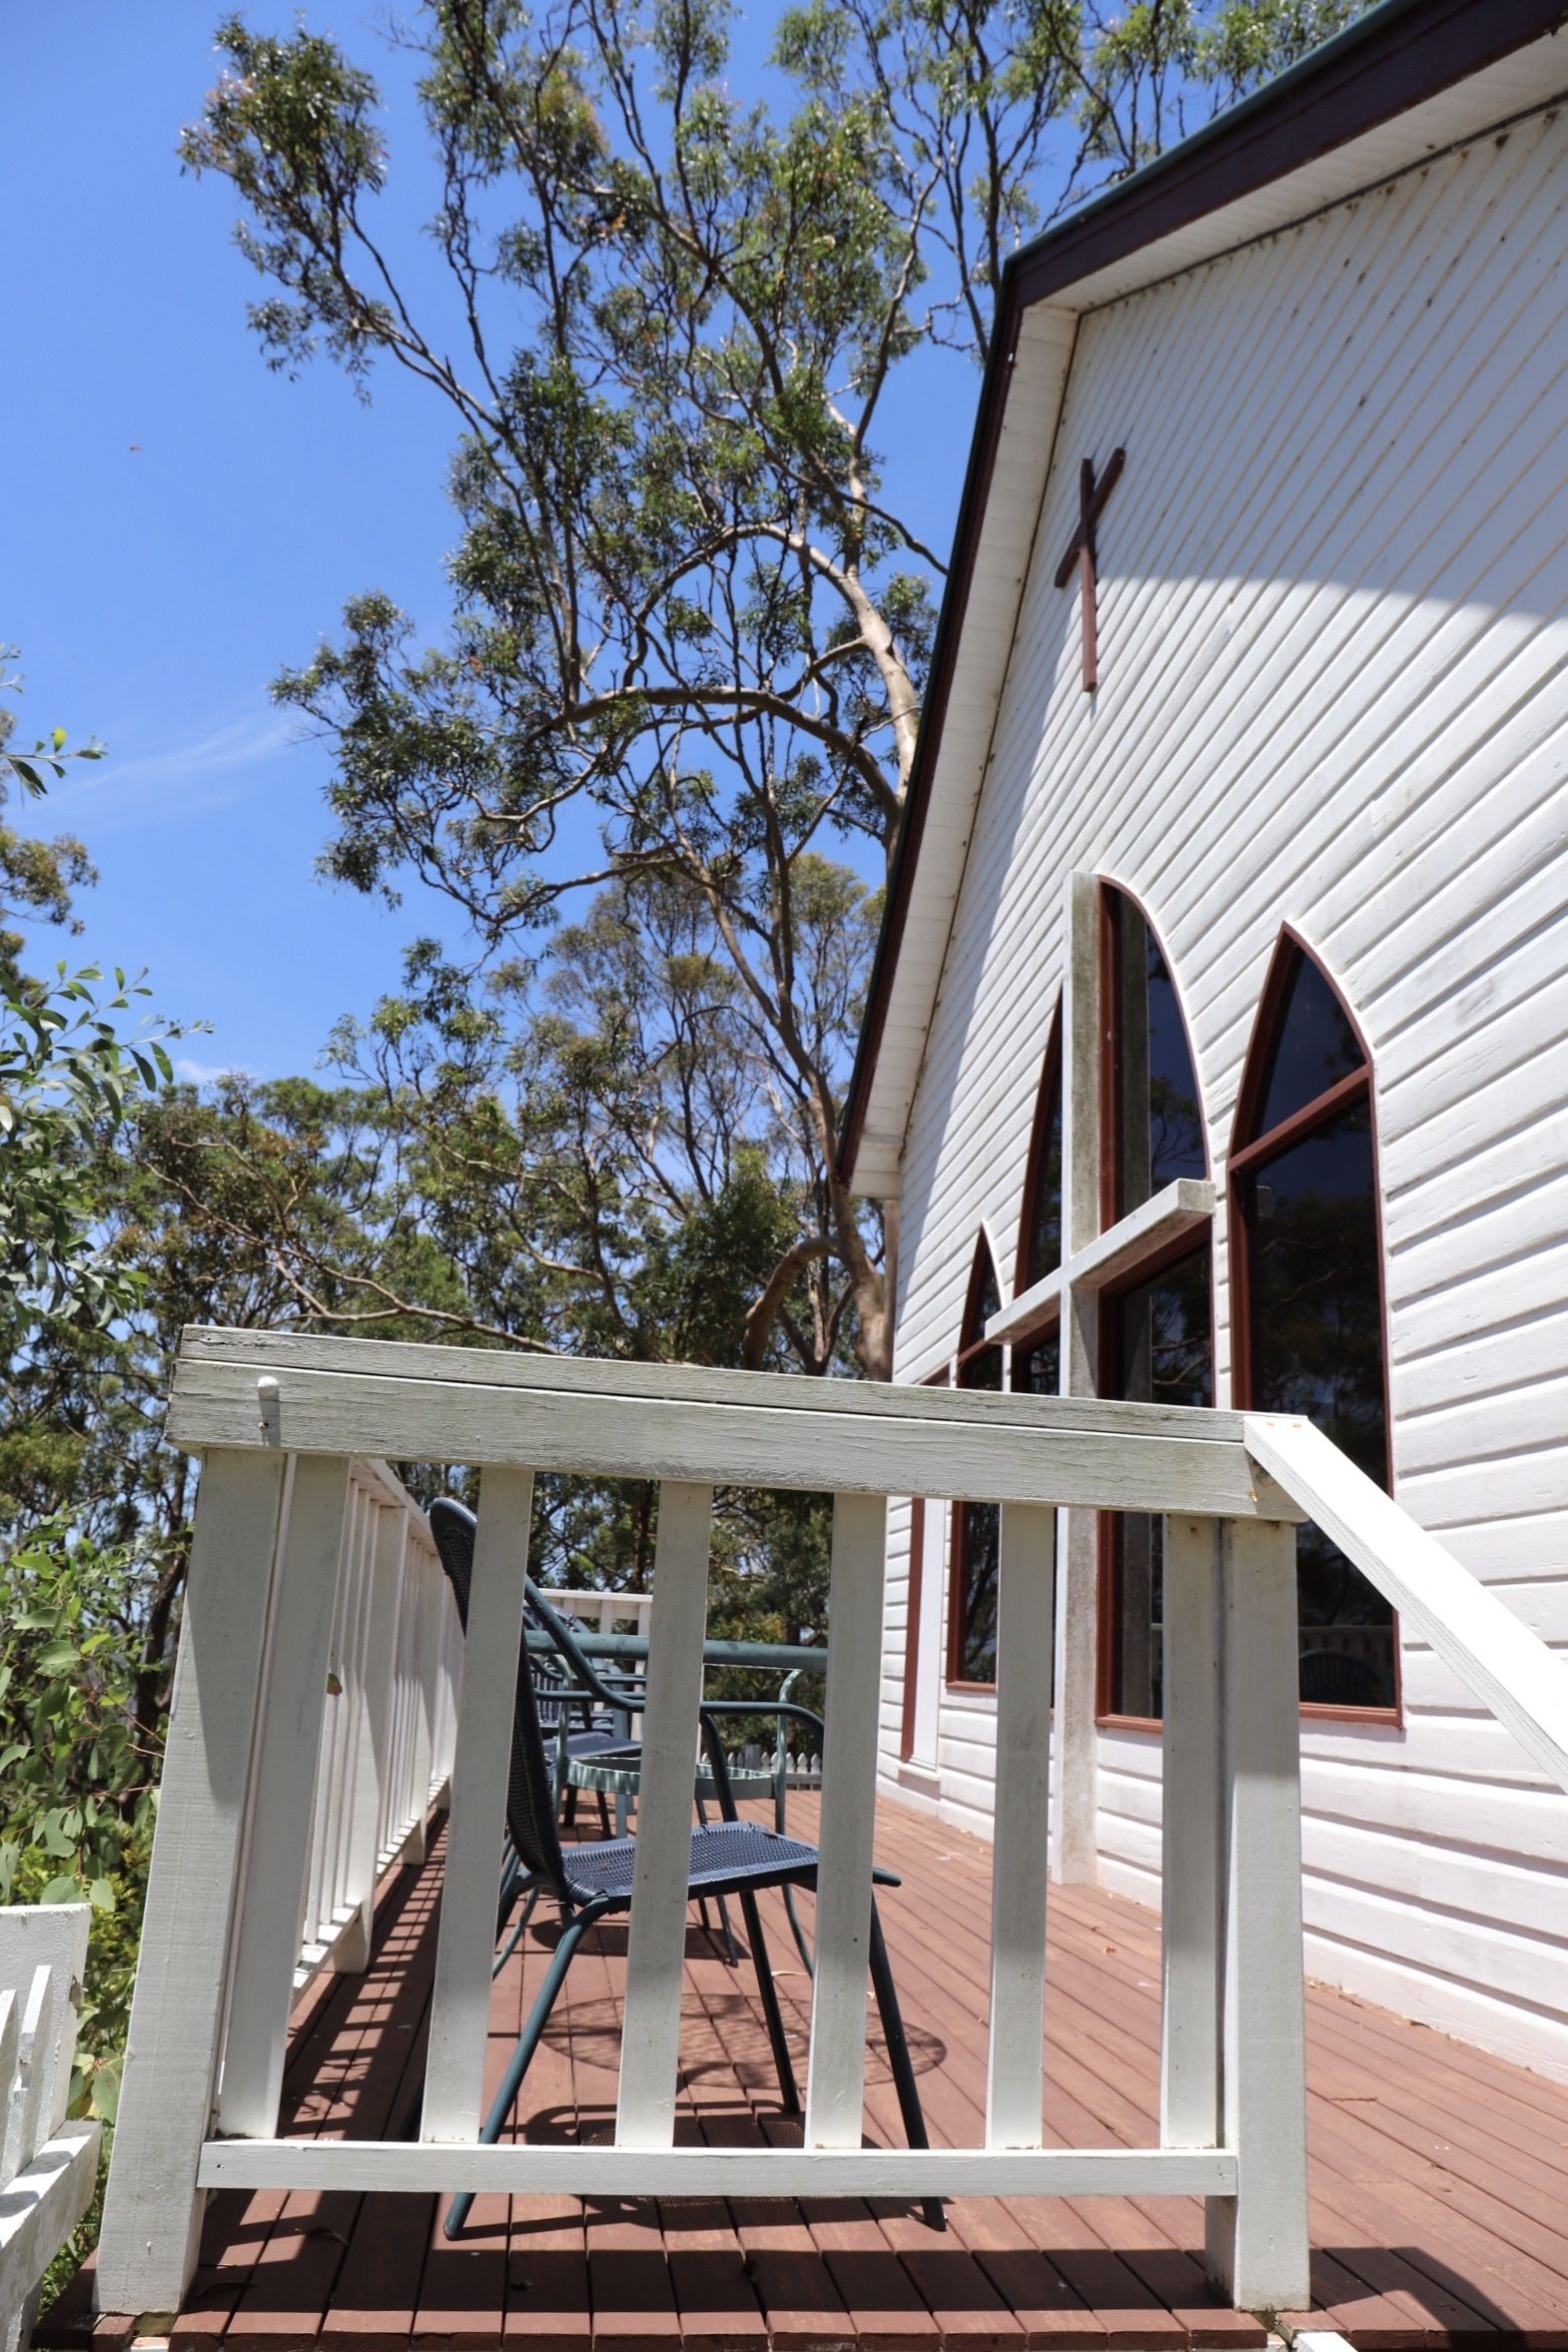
(603, 1377)
(474, 1405)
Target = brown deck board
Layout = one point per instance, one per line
(462, 2288)
(372, 2297)
(1439, 2174)
(547, 2307)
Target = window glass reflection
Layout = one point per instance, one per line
(1043, 1213)
(1037, 1368)
(1317, 1348)
(1158, 1135)
(1037, 1371)
(978, 1525)
(1314, 1047)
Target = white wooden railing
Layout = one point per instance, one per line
(48, 2168)
(358, 1680)
(605, 1612)
(236, 1812)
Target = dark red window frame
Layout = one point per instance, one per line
(1158, 1259)
(1248, 1150)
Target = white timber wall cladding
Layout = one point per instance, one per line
(1333, 630)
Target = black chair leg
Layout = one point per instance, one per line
(770, 2001)
(528, 2041)
(898, 2057)
(514, 1878)
(604, 1814)
(519, 1930)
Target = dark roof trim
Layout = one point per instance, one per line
(1392, 59)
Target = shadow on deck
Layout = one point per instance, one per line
(1439, 2175)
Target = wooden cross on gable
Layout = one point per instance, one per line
(1080, 556)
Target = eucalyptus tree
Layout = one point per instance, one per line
(690, 599)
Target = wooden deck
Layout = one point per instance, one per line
(1439, 2175)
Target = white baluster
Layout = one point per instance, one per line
(268, 1942)
(645, 2113)
(391, 1814)
(351, 1731)
(318, 1900)
(424, 1673)
(1024, 1609)
(1191, 1838)
(837, 2072)
(460, 2002)
(373, 1730)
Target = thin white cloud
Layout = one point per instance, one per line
(220, 757)
(206, 1073)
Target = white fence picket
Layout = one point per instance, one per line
(655, 1953)
(350, 1717)
(460, 2001)
(1025, 1640)
(1189, 1883)
(373, 1730)
(319, 1896)
(281, 1810)
(836, 2072)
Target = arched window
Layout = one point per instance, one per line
(1306, 1272)
(1153, 1130)
(977, 1527)
(1157, 1322)
(1037, 1354)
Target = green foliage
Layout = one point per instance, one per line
(66, 1077)
(91, 1559)
(49, 758)
(37, 877)
(78, 1768)
(686, 593)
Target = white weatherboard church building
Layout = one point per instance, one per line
(1218, 1047)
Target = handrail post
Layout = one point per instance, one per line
(1257, 2243)
(152, 2208)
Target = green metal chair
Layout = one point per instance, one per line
(592, 1881)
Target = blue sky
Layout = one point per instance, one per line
(180, 523)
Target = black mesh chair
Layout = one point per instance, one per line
(591, 1881)
(561, 1692)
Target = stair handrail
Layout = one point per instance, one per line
(1510, 1669)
